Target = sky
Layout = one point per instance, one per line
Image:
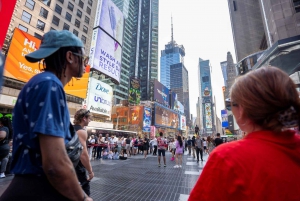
(203, 28)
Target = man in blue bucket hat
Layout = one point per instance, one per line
(41, 120)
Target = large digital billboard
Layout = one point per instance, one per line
(99, 98)
(180, 107)
(136, 115)
(134, 95)
(165, 117)
(208, 115)
(224, 117)
(17, 67)
(182, 123)
(110, 19)
(161, 93)
(147, 119)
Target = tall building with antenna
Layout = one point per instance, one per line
(172, 54)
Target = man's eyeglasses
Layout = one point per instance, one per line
(85, 59)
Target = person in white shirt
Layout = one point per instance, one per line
(92, 142)
(154, 144)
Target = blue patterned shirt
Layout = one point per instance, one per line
(41, 109)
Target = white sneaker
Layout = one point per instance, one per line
(176, 166)
(2, 175)
(180, 166)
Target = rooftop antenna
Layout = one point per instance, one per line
(172, 39)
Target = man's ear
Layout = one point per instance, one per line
(69, 57)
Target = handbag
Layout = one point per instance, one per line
(74, 147)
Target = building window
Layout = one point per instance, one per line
(26, 17)
(77, 23)
(21, 27)
(68, 16)
(40, 25)
(70, 6)
(38, 36)
(88, 10)
(79, 13)
(80, 4)
(30, 4)
(90, 2)
(58, 9)
(52, 29)
(61, 1)
(234, 6)
(66, 27)
(47, 3)
(297, 5)
(75, 32)
(87, 20)
(85, 29)
(44, 13)
(83, 38)
(55, 20)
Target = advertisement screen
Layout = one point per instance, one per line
(161, 93)
(165, 117)
(181, 107)
(224, 117)
(134, 95)
(105, 55)
(152, 131)
(208, 115)
(99, 98)
(17, 67)
(111, 20)
(182, 123)
(6, 11)
(136, 115)
(147, 119)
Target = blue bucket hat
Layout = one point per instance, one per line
(51, 42)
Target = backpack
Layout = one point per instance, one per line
(136, 142)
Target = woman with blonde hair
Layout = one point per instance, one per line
(265, 164)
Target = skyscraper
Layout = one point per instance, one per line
(172, 54)
(205, 94)
(179, 83)
(230, 74)
(140, 46)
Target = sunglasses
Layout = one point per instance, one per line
(85, 59)
(84, 114)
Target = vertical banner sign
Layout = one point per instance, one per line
(99, 98)
(208, 115)
(152, 131)
(134, 95)
(224, 117)
(147, 119)
(6, 11)
(105, 52)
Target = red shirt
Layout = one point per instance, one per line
(262, 166)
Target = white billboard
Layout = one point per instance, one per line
(99, 97)
(182, 123)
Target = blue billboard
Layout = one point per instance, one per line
(161, 93)
(224, 117)
(147, 119)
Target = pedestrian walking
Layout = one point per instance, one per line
(161, 149)
(82, 119)
(42, 124)
(179, 152)
(265, 164)
(199, 148)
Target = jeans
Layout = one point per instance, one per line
(197, 153)
(99, 152)
(3, 164)
(155, 150)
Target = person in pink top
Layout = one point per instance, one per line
(265, 164)
(179, 152)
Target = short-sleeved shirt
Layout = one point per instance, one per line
(218, 141)
(41, 108)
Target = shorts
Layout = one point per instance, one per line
(205, 148)
(161, 152)
(127, 146)
(135, 147)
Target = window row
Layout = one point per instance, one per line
(58, 9)
(56, 20)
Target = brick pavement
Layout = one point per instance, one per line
(140, 179)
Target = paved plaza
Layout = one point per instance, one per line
(140, 179)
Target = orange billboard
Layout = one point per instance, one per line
(17, 67)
